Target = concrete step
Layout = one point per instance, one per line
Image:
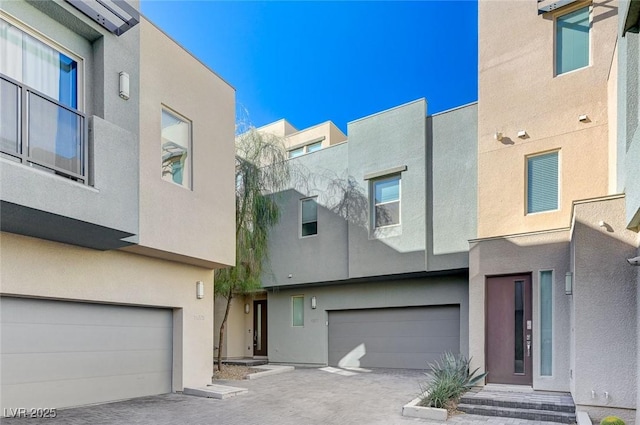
(219, 392)
(520, 413)
(553, 404)
(244, 362)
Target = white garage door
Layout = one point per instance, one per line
(405, 338)
(60, 354)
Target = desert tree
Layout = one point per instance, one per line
(262, 170)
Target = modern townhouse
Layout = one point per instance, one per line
(368, 263)
(552, 297)
(112, 136)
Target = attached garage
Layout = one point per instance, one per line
(405, 338)
(60, 354)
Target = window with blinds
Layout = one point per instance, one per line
(542, 183)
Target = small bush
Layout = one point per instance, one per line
(449, 379)
(612, 420)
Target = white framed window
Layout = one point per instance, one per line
(297, 310)
(176, 148)
(572, 40)
(308, 217)
(546, 323)
(302, 150)
(296, 152)
(314, 147)
(386, 201)
(542, 182)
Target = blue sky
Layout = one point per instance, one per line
(310, 62)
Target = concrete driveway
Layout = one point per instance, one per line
(301, 397)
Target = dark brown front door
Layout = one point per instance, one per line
(508, 321)
(260, 328)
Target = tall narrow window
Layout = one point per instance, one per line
(572, 41)
(297, 310)
(176, 144)
(546, 320)
(309, 216)
(542, 183)
(519, 327)
(386, 194)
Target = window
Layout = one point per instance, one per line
(386, 193)
(297, 310)
(309, 217)
(572, 41)
(46, 80)
(314, 147)
(546, 322)
(176, 145)
(542, 183)
(296, 152)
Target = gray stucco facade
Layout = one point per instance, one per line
(351, 265)
(103, 212)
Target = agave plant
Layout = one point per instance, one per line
(449, 379)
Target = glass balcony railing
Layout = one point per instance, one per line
(39, 131)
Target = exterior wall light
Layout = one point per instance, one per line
(568, 283)
(498, 135)
(199, 289)
(583, 118)
(124, 85)
(247, 308)
(522, 134)
(314, 302)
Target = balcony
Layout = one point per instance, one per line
(39, 131)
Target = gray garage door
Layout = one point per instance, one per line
(59, 354)
(408, 338)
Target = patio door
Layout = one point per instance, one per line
(508, 330)
(260, 328)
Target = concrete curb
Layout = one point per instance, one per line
(216, 391)
(412, 410)
(269, 370)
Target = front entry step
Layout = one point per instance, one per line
(534, 405)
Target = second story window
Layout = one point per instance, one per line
(309, 217)
(41, 125)
(312, 147)
(386, 201)
(572, 41)
(176, 147)
(542, 183)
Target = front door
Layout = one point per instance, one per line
(260, 328)
(508, 329)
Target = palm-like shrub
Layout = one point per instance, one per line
(449, 379)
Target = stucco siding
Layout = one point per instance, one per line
(172, 217)
(604, 301)
(452, 182)
(41, 269)
(309, 344)
(519, 255)
(393, 138)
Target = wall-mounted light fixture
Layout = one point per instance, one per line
(568, 283)
(314, 302)
(124, 85)
(199, 289)
(247, 308)
(583, 118)
(497, 135)
(522, 134)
